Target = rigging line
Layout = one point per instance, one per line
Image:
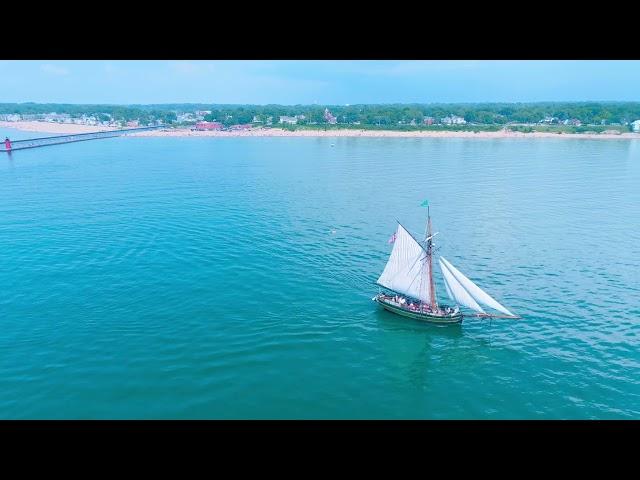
(414, 279)
(421, 281)
(417, 259)
(413, 265)
(412, 236)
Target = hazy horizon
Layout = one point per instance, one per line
(323, 82)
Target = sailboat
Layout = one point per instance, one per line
(410, 290)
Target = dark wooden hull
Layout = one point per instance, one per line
(425, 317)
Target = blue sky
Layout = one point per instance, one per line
(324, 82)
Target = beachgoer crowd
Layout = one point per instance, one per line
(415, 306)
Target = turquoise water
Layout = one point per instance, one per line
(232, 278)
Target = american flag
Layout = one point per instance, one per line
(392, 239)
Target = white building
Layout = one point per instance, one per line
(289, 120)
(57, 117)
(549, 119)
(11, 117)
(186, 117)
(453, 120)
(635, 126)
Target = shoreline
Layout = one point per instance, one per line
(69, 128)
(349, 133)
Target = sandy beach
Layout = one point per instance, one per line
(63, 128)
(50, 127)
(276, 132)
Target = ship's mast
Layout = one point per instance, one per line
(432, 288)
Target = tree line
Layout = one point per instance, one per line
(378, 114)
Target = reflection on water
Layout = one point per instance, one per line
(9, 156)
(390, 321)
(410, 346)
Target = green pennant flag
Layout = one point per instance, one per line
(425, 204)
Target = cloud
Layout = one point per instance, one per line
(53, 69)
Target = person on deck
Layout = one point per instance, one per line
(7, 143)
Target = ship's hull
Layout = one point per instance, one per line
(423, 316)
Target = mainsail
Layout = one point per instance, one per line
(407, 270)
(457, 282)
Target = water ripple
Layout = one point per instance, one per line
(232, 278)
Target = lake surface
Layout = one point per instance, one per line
(225, 278)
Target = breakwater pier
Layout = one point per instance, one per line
(63, 139)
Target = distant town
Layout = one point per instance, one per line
(571, 117)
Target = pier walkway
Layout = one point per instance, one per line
(78, 137)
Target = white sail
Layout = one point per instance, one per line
(446, 285)
(456, 291)
(475, 291)
(407, 270)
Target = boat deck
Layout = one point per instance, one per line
(425, 314)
